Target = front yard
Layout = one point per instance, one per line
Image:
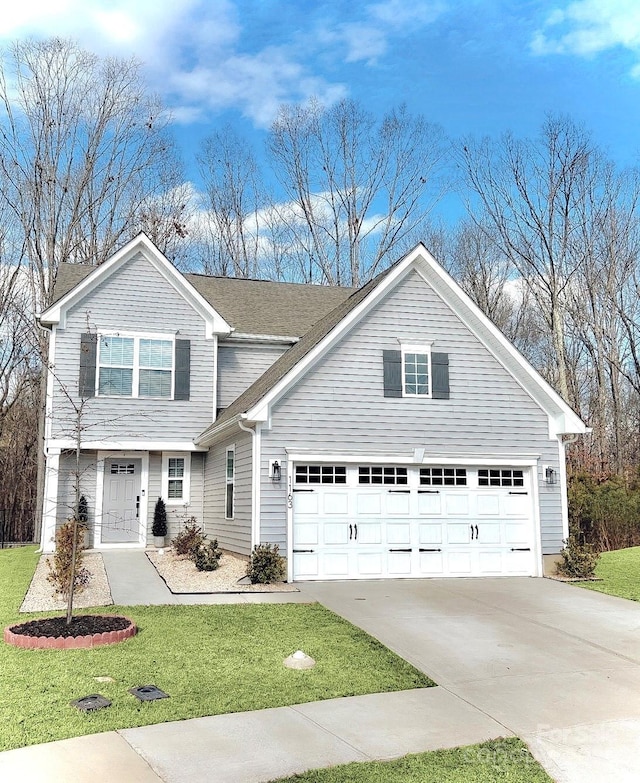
(210, 659)
(619, 572)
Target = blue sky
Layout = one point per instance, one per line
(475, 67)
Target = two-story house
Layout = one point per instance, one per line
(390, 431)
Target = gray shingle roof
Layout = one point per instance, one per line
(288, 360)
(250, 306)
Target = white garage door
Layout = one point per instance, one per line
(371, 522)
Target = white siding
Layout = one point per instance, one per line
(136, 298)
(339, 405)
(232, 534)
(240, 365)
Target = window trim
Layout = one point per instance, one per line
(135, 381)
(230, 481)
(186, 479)
(423, 348)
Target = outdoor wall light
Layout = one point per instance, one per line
(276, 470)
(550, 475)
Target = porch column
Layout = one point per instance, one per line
(50, 500)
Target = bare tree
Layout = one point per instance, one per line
(354, 189)
(533, 195)
(81, 148)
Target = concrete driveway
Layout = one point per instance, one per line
(557, 665)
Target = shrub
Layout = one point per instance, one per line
(82, 516)
(188, 539)
(60, 572)
(207, 556)
(579, 560)
(159, 527)
(266, 564)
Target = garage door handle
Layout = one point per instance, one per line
(429, 550)
(401, 550)
(400, 491)
(355, 528)
(428, 492)
(477, 535)
(299, 551)
(521, 549)
(350, 532)
(518, 493)
(303, 490)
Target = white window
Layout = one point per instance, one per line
(416, 370)
(230, 471)
(135, 366)
(176, 476)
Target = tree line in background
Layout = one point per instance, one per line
(548, 248)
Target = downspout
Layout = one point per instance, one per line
(255, 480)
(562, 465)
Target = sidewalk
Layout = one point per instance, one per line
(253, 747)
(135, 582)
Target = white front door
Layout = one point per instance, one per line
(121, 501)
(368, 522)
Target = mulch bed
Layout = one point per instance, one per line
(82, 625)
(84, 631)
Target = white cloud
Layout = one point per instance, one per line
(588, 27)
(201, 54)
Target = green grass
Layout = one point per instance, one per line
(620, 574)
(210, 659)
(498, 761)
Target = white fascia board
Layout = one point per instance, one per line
(126, 445)
(215, 323)
(260, 411)
(562, 418)
(276, 339)
(214, 433)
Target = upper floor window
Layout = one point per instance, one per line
(135, 366)
(416, 371)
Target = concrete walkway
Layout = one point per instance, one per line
(249, 747)
(135, 582)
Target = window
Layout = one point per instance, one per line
(130, 366)
(382, 475)
(230, 477)
(443, 477)
(176, 469)
(321, 474)
(416, 374)
(500, 477)
(118, 468)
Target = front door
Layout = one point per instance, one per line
(121, 503)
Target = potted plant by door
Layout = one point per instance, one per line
(159, 528)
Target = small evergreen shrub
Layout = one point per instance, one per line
(207, 556)
(82, 515)
(188, 539)
(266, 565)
(579, 560)
(159, 527)
(60, 572)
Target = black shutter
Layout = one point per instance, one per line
(88, 353)
(392, 364)
(440, 379)
(183, 369)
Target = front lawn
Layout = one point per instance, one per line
(620, 574)
(498, 761)
(210, 659)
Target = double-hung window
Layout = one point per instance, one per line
(135, 366)
(416, 371)
(176, 469)
(230, 472)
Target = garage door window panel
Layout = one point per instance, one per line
(443, 477)
(500, 477)
(321, 474)
(379, 475)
